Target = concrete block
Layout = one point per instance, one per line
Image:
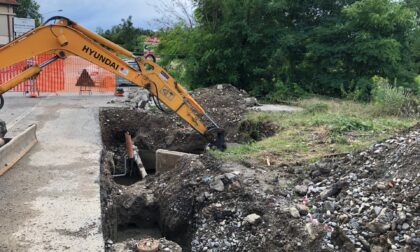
(14, 150)
(166, 160)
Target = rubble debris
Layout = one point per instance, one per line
(362, 201)
(378, 201)
(259, 215)
(252, 219)
(131, 245)
(148, 245)
(3, 131)
(3, 128)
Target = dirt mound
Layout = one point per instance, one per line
(227, 105)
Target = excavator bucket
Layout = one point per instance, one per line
(15, 148)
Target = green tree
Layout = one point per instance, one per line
(126, 35)
(415, 36)
(28, 9)
(367, 38)
(284, 48)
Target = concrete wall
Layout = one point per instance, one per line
(6, 24)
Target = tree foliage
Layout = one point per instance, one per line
(126, 35)
(286, 47)
(28, 9)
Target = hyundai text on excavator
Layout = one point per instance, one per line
(63, 37)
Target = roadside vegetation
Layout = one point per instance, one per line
(326, 127)
(329, 126)
(284, 50)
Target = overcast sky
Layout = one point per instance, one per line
(102, 13)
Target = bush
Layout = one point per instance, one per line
(319, 107)
(340, 124)
(284, 93)
(417, 81)
(362, 90)
(390, 100)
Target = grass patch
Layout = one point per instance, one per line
(325, 127)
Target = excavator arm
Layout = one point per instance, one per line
(65, 37)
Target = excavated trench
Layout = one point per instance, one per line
(129, 207)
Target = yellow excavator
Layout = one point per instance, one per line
(64, 37)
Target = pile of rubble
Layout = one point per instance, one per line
(136, 97)
(371, 198)
(227, 105)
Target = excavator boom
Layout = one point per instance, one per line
(65, 37)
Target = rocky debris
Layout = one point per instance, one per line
(371, 195)
(3, 128)
(3, 131)
(137, 97)
(217, 185)
(252, 219)
(362, 201)
(301, 189)
(131, 246)
(294, 212)
(244, 216)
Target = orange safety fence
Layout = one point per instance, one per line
(62, 76)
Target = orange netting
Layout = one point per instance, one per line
(61, 76)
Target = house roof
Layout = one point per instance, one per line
(10, 2)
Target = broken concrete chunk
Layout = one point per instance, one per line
(253, 219)
(217, 185)
(230, 176)
(332, 191)
(294, 212)
(303, 210)
(166, 160)
(376, 249)
(301, 190)
(251, 101)
(314, 231)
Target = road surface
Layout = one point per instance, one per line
(50, 200)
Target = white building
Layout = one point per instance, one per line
(6, 21)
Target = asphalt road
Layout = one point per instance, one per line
(49, 201)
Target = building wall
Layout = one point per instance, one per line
(6, 24)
